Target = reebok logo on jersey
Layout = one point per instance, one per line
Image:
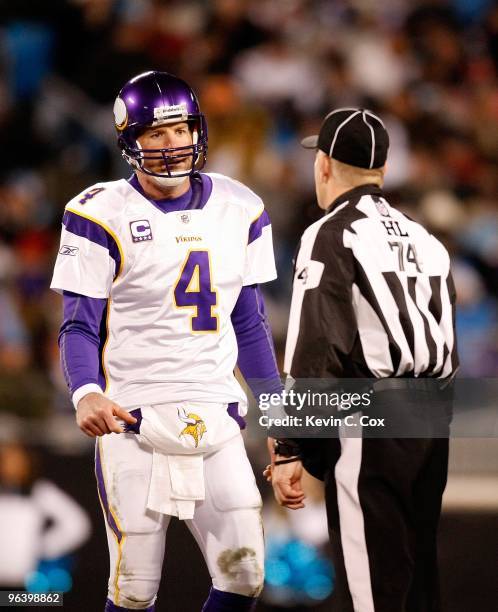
(188, 239)
(140, 230)
(66, 249)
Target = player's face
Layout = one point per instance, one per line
(168, 137)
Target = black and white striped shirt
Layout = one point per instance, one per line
(373, 296)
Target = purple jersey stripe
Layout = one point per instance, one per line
(194, 199)
(256, 228)
(103, 494)
(86, 228)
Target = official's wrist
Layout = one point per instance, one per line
(80, 392)
(287, 460)
(286, 448)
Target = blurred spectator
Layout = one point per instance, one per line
(39, 521)
(266, 73)
(299, 575)
(477, 324)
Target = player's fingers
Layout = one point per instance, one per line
(98, 424)
(112, 424)
(123, 414)
(87, 432)
(90, 430)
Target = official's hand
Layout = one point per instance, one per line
(286, 482)
(270, 442)
(96, 415)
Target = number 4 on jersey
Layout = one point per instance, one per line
(194, 289)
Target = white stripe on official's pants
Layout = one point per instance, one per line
(354, 545)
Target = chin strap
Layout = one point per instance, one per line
(196, 183)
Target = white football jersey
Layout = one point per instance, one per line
(171, 280)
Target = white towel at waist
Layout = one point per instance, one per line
(176, 483)
(180, 434)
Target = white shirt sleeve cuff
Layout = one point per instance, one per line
(85, 390)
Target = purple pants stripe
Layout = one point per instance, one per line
(103, 494)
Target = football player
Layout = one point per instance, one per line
(160, 279)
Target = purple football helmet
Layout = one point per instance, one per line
(157, 98)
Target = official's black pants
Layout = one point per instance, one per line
(383, 503)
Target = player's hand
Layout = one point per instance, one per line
(286, 482)
(96, 415)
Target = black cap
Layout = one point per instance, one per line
(354, 136)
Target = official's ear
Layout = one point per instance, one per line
(323, 167)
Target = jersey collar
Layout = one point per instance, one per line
(195, 198)
(355, 194)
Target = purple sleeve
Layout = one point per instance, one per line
(256, 359)
(79, 340)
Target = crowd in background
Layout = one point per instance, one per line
(266, 73)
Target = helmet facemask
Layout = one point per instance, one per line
(136, 156)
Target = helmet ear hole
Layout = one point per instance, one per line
(121, 143)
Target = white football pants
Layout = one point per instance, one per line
(226, 525)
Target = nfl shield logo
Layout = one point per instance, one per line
(382, 208)
(184, 217)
